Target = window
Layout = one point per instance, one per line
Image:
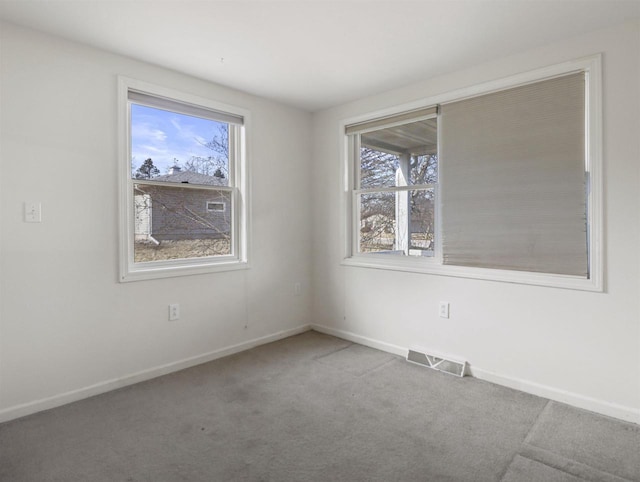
(183, 182)
(396, 178)
(215, 207)
(499, 182)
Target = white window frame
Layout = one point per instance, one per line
(354, 150)
(132, 271)
(592, 66)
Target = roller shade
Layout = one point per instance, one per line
(183, 108)
(513, 181)
(403, 118)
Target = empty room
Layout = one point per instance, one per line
(319, 240)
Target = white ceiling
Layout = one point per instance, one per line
(315, 54)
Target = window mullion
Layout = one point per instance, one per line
(210, 187)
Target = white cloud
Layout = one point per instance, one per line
(154, 149)
(144, 132)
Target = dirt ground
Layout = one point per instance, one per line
(180, 249)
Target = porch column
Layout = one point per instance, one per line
(403, 208)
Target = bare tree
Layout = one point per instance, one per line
(217, 164)
(378, 209)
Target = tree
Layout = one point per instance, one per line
(378, 209)
(217, 164)
(147, 170)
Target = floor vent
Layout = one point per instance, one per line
(446, 365)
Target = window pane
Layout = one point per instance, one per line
(377, 222)
(377, 168)
(422, 223)
(215, 206)
(172, 147)
(424, 169)
(174, 223)
(399, 155)
(386, 227)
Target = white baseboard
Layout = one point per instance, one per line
(106, 386)
(603, 407)
(621, 412)
(599, 406)
(361, 340)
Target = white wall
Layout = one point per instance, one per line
(68, 329)
(575, 346)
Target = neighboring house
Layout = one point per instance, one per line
(175, 212)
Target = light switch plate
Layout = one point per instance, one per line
(444, 309)
(32, 212)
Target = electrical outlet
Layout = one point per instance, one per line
(444, 309)
(174, 312)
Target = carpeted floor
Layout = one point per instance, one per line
(317, 408)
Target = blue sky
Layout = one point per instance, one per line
(164, 136)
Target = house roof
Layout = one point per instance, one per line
(190, 177)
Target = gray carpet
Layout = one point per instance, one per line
(317, 408)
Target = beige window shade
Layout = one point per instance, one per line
(513, 179)
(402, 118)
(183, 108)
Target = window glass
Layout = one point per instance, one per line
(173, 218)
(385, 228)
(172, 147)
(393, 219)
(382, 149)
(172, 222)
(215, 206)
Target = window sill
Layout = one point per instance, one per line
(158, 270)
(434, 267)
